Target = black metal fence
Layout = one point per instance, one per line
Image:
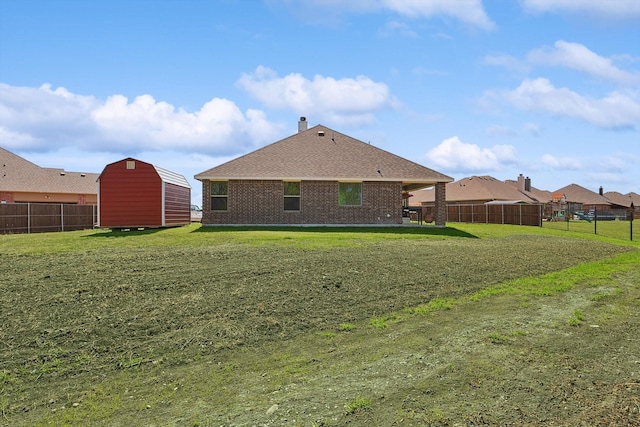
(615, 223)
(42, 217)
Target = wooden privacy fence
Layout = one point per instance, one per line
(42, 217)
(520, 214)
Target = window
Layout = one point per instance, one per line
(350, 194)
(291, 196)
(219, 190)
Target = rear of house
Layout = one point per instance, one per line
(316, 177)
(136, 194)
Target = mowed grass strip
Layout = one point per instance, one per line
(95, 304)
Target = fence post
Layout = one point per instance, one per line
(28, 218)
(520, 212)
(61, 217)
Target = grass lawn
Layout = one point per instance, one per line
(466, 325)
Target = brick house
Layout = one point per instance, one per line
(315, 177)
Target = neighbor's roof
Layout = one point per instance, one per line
(576, 193)
(322, 154)
(635, 197)
(20, 175)
(474, 189)
(619, 199)
(537, 195)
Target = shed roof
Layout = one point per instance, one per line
(172, 177)
(322, 154)
(20, 175)
(164, 174)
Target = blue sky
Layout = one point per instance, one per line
(546, 88)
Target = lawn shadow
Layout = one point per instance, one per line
(126, 232)
(414, 230)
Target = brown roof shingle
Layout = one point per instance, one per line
(477, 189)
(320, 153)
(619, 199)
(20, 175)
(576, 193)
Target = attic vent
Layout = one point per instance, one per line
(320, 133)
(131, 164)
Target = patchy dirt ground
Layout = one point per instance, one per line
(243, 335)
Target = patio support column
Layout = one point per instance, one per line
(441, 204)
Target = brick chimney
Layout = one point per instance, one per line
(527, 184)
(302, 124)
(600, 192)
(521, 182)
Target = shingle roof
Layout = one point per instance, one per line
(537, 195)
(476, 188)
(576, 193)
(320, 153)
(635, 197)
(619, 199)
(20, 175)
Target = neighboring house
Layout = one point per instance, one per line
(635, 197)
(588, 199)
(315, 177)
(136, 194)
(483, 189)
(23, 181)
(619, 200)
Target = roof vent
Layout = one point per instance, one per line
(302, 124)
(62, 174)
(320, 133)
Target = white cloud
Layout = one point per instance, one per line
(44, 119)
(506, 61)
(616, 110)
(579, 57)
(624, 9)
(467, 11)
(561, 163)
(345, 101)
(456, 156)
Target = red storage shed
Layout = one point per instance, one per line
(136, 194)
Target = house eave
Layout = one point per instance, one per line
(410, 184)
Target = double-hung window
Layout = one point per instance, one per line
(291, 195)
(219, 195)
(350, 194)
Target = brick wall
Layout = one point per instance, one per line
(262, 202)
(441, 204)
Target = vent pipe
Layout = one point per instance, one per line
(302, 124)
